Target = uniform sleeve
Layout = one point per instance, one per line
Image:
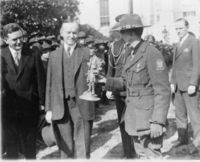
(115, 84)
(195, 62)
(160, 80)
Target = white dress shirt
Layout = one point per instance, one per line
(66, 47)
(16, 55)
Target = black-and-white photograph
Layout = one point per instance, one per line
(100, 80)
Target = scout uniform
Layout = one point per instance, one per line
(117, 58)
(145, 78)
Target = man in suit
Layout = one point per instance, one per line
(117, 58)
(185, 83)
(23, 90)
(145, 79)
(71, 117)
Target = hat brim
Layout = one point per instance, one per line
(127, 27)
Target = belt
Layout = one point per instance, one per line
(139, 92)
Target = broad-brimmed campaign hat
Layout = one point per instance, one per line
(100, 41)
(117, 18)
(129, 21)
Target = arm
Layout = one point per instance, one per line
(159, 77)
(40, 74)
(195, 62)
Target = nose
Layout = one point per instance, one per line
(71, 34)
(19, 40)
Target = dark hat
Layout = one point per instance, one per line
(117, 18)
(129, 21)
(82, 34)
(115, 27)
(48, 135)
(90, 39)
(100, 41)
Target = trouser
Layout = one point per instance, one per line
(19, 135)
(146, 147)
(188, 105)
(73, 133)
(127, 142)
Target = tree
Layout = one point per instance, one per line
(43, 16)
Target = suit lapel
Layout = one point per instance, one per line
(180, 49)
(10, 61)
(78, 59)
(23, 61)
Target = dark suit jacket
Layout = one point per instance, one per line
(23, 89)
(185, 70)
(55, 88)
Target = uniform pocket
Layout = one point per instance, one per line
(145, 102)
(139, 73)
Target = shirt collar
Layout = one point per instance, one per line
(66, 46)
(135, 43)
(184, 38)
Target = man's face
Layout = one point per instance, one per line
(126, 36)
(15, 40)
(69, 32)
(181, 29)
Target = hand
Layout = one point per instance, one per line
(156, 130)
(45, 56)
(172, 88)
(102, 80)
(48, 116)
(41, 107)
(191, 89)
(108, 94)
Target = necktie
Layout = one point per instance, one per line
(16, 58)
(69, 51)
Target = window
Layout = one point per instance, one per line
(189, 13)
(104, 13)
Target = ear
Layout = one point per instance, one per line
(5, 40)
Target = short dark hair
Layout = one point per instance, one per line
(185, 21)
(10, 28)
(137, 31)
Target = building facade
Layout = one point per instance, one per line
(160, 14)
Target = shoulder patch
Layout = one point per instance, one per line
(160, 64)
